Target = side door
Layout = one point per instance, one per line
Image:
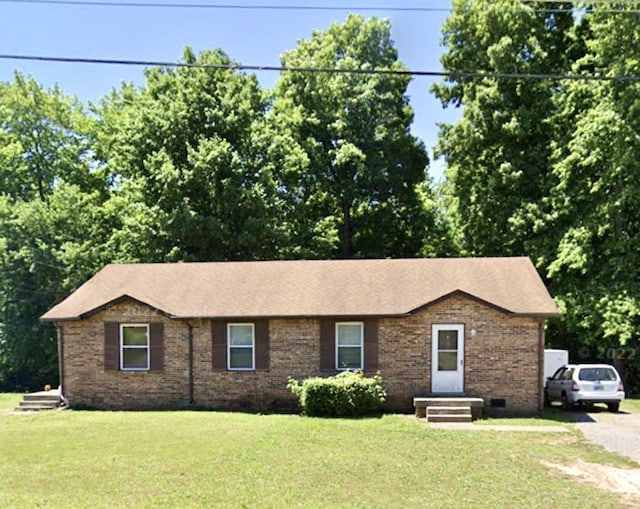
(554, 384)
(447, 358)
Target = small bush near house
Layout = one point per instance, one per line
(348, 394)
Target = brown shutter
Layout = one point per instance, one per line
(156, 346)
(262, 344)
(111, 346)
(219, 345)
(327, 345)
(371, 345)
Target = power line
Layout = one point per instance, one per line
(292, 7)
(173, 5)
(326, 70)
(232, 6)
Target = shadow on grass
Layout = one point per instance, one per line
(558, 414)
(578, 414)
(549, 415)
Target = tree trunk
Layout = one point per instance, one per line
(347, 232)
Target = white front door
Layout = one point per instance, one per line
(447, 359)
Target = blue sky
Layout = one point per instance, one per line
(256, 37)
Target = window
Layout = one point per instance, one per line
(134, 347)
(597, 375)
(349, 345)
(447, 350)
(241, 344)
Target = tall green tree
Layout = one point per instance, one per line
(498, 154)
(594, 218)
(50, 196)
(353, 178)
(549, 168)
(41, 140)
(186, 153)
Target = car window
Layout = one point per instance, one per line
(558, 374)
(567, 374)
(597, 374)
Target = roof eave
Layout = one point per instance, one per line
(459, 292)
(102, 307)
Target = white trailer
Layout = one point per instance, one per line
(554, 359)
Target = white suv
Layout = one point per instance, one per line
(585, 384)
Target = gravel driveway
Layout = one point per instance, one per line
(616, 432)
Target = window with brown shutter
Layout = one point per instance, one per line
(111, 346)
(133, 346)
(156, 346)
(371, 345)
(219, 345)
(332, 349)
(327, 345)
(262, 344)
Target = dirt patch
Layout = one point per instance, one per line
(614, 479)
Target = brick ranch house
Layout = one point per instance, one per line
(228, 334)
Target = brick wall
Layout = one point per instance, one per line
(86, 382)
(501, 360)
(294, 351)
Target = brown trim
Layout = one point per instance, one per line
(118, 300)
(219, 345)
(328, 345)
(60, 332)
(261, 344)
(111, 346)
(345, 318)
(190, 353)
(536, 315)
(156, 346)
(460, 293)
(370, 345)
(541, 340)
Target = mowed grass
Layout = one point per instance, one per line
(631, 405)
(215, 459)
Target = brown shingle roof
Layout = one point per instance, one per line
(311, 287)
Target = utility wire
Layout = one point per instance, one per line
(174, 5)
(326, 70)
(345, 8)
(230, 6)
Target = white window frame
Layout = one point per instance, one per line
(253, 346)
(337, 335)
(134, 347)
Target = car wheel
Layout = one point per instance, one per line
(613, 407)
(565, 402)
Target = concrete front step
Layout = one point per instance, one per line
(451, 410)
(448, 414)
(36, 405)
(42, 396)
(421, 403)
(449, 418)
(43, 400)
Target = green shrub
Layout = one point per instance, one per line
(348, 394)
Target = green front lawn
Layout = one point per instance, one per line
(630, 405)
(215, 459)
(9, 401)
